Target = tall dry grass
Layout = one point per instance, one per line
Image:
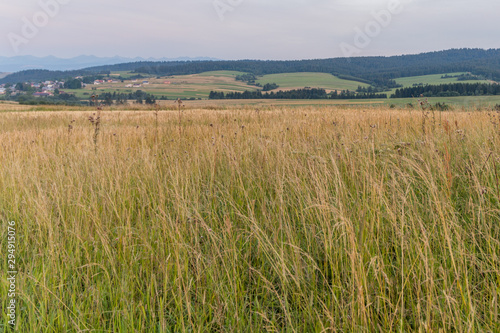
(296, 220)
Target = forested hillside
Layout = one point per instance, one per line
(379, 71)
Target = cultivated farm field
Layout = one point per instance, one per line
(173, 87)
(242, 219)
(329, 82)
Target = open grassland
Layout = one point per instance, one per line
(329, 82)
(459, 103)
(434, 79)
(304, 219)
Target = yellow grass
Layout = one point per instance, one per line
(299, 219)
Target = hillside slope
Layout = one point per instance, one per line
(379, 71)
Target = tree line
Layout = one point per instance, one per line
(138, 96)
(313, 93)
(57, 99)
(448, 90)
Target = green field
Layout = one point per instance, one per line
(126, 74)
(222, 73)
(313, 80)
(432, 80)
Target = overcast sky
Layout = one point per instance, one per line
(245, 29)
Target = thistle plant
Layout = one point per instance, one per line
(95, 120)
(70, 127)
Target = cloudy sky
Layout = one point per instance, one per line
(245, 29)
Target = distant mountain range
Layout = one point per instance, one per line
(20, 63)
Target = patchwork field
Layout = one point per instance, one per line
(244, 219)
(173, 87)
(200, 85)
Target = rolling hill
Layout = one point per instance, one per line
(378, 71)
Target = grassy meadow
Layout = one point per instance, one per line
(242, 219)
(329, 82)
(434, 79)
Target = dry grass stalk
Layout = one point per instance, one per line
(342, 220)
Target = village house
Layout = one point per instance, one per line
(42, 94)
